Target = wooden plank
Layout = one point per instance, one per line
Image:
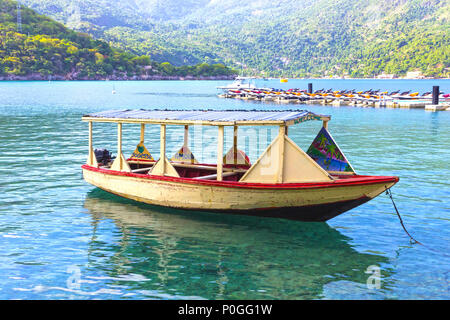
(119, 145)
(341, 173)
(167, 122)
(214, 176)
(235, 141)
(91, 151)
(141, 169)
(281, 134)
(142, 132)
(220, 154)
(203, 167)
(186, 136)
(162, 155)
(140, 162)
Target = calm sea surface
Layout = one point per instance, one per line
(64, 239)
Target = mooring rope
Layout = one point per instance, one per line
(413, 241)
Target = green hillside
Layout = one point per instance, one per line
(275, 38)
(45, 48)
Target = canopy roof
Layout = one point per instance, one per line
(206, 117)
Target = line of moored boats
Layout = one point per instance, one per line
(301, 95)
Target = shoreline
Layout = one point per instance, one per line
(272, 78)
(114, 78)
(39, 77)
(171, 78)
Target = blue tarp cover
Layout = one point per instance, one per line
(210, 115)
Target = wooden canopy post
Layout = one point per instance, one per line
(91, 153)
(325, 124)
(142, 132)
(163, 167)
(119, 145)
(235, 142)
(186, 136)
(120, 164)
(162, 154)
(281, 134)
(220, 154)
(91, 160)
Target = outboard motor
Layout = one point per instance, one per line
(103, 156)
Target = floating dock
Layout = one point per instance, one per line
(337, 98)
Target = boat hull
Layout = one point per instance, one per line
(295, 201)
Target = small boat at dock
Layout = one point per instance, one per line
(240, 83)
(285, 182)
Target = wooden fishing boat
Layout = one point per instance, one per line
(285, 182)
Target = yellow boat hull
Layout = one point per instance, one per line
(296, 201)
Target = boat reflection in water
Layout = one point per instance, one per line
(218, 256)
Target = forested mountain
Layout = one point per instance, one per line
(42, 48)
(278, 38)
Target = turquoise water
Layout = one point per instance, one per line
(64, 239)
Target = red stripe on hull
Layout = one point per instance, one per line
(350, 181)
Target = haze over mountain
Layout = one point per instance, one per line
(278, 38)
(42, 48)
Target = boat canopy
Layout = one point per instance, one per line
(207, 117)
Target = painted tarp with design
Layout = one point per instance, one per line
(141, 154)
(241, 158)
(184, 155)
(327, 154)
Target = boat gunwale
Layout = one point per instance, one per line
(347, 181)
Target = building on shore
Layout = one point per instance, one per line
(386, 76)
(414, 75)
